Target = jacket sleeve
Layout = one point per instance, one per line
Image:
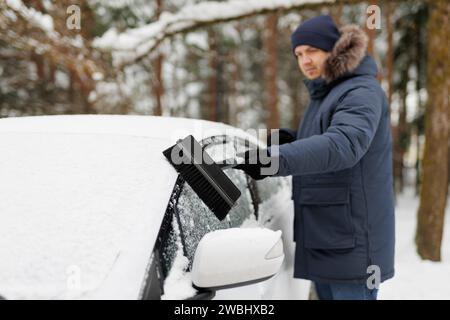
(352, 128)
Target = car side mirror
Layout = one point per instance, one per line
(235, 257)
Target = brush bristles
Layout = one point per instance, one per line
(203, 188)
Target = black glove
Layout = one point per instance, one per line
(254, 161)
(285, 136)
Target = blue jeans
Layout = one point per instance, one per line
(344, 291)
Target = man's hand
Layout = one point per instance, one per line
(284, 136)
(254, 161)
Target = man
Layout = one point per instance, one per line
(341, 162)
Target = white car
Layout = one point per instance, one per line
(91, 209)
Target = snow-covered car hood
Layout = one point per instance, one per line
(81, 202)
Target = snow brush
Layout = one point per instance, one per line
(205, 177)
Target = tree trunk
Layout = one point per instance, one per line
(372, 34)
(402, 141)
(212, 78)
(234, 90)
(433, 196)
(221, 89)
(158, 84)
(270, 48)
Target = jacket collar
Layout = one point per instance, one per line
(347, 53)
(317, 88)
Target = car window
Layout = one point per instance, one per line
(244, 209)
(196, 219)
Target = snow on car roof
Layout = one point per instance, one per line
(81, 202)
(165, 128)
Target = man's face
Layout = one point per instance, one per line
(311, 60)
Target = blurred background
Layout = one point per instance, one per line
(223, 62)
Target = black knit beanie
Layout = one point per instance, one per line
(319, 32)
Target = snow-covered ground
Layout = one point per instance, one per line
(414, 278)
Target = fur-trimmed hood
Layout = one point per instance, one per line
(347, 53)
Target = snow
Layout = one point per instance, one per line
(14, 4)
(165, 128)
(97, 76)
(414, 278)
(198, 39)
(43, 21)
(178, 284)
(249, 237)
(134, 43)
(85, 224)
(231, 33)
